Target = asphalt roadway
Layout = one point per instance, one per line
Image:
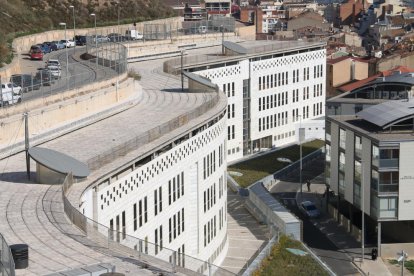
(76, 74)
(338, 260)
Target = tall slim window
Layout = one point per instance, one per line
(145, 210)
(358, 146)
(342, 138)
(140, 212)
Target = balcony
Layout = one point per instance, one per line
(389, 163)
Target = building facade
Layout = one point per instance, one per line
(369, 166)
(270, 94)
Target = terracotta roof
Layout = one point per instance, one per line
(352, 86)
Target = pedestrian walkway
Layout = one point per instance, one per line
(245, 235)
(338, 234)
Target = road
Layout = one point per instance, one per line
(79, 73)
(338, 260)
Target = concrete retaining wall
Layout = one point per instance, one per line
(21, 45)
(64, 111)
(390, 250)
(274, 212)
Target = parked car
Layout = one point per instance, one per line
(134, 34)
(45, 48)
(54, 71)
(25, 81)
(80, 40)
(53, 62)
(10, 87)
(52, 46)
(114, 37)
(44, 76)
(34, 48)
(67, 43)
(36, 54)
(59, 44)
(100, 38)
(9, 98)
(309, 209)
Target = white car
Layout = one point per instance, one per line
(53, 62)
(10, 87)
(54, 71)
(9, 98)
(68, 43)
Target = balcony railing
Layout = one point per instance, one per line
(389, 163)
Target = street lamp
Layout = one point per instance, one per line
(118, 18)
(73, 15)
(96, 40)
(301, 135)
(67, 55)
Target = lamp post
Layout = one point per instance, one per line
(96, 40)
(363, 213)
(301, 134)
(118, 18)
(74, 28)
(67, 56)
(222, 39)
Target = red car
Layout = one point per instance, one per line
(36, 54)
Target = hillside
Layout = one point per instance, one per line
(19, 17)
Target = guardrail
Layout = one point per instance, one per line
(151, 254)
(6, 259)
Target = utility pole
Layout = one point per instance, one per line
(26, 142)
(363, 214)
(182, 70)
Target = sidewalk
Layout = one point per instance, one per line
(338, 234)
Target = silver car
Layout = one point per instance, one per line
(54, 71)
(309, 209)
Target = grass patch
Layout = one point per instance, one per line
(282, 262)
(407, 264)
(261, 166)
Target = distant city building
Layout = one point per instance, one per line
(388, 85)
(222, 7)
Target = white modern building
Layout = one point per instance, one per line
(171, 202)
(369, 165)
(273, 88)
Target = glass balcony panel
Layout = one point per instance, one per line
(389, 163)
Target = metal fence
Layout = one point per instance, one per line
(74, 69)
(155, 255)
(6, 259)
(295, 166)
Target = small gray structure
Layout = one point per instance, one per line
(53, 166)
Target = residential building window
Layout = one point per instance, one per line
(342, 138)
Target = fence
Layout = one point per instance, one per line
(6, 259)
(156, 255)
(71, 70)
(296, 165)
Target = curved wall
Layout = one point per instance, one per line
(180, 193)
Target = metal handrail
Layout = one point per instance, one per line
(162, 257)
